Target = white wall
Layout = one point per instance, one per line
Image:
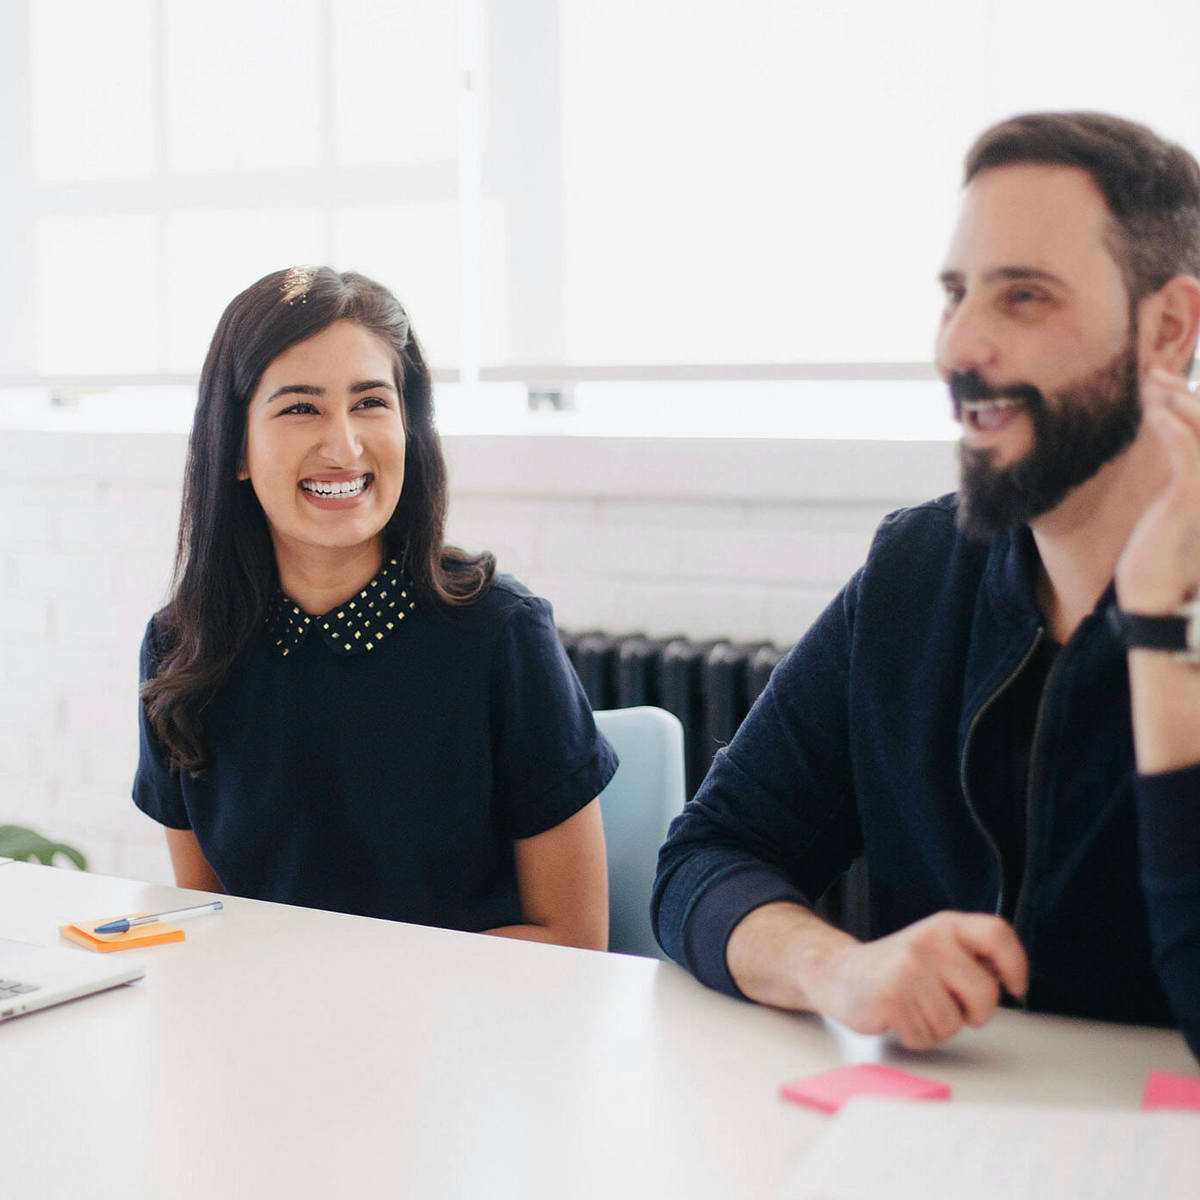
(703, 537)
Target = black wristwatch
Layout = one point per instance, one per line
(1178, 632)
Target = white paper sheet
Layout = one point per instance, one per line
(904, 1150)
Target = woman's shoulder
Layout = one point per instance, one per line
(507, 614)
(507, 626)
(510, 591)
(505, 600)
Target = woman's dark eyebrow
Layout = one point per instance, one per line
(308, 389)
(295, 389)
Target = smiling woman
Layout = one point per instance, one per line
(324, 454)
(339, 710)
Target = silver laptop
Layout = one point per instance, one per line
(33, 976)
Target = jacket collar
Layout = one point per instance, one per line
(1011, 621)
(1012, 573)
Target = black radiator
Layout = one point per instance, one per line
(710, 687)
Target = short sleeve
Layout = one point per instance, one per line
(549, 760)
(156, 788)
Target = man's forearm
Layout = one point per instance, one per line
(778, 954)
(1165, 696)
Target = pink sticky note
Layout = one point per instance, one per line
(1164, 1090)
(830, 1090)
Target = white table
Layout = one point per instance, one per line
(284, 1052)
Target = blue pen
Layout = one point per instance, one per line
(124, 924)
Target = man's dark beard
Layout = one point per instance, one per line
(1088, 425)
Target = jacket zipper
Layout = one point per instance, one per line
(962, 773)
(1034, 774)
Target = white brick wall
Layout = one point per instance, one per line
(85, 555)
(703, 537)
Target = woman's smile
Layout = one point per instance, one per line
(328, 492)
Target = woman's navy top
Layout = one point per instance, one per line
(380, 759)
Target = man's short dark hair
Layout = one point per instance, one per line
(1151, 186)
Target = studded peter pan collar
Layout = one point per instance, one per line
(355, 627)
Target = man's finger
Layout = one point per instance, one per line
(1186, 403)
(1166, 390)
(975, 988)
(994, 943)
(912, 1030)
(1178, 436)
(939, 1008)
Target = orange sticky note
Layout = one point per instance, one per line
(1164, 1090)
(154, 934)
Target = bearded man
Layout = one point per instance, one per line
(1001, 709)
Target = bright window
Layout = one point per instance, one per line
(561, 191)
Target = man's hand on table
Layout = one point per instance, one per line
(920, 984)
(924, 982)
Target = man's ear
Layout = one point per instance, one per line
(1169, 321)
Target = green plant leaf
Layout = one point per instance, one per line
(27, 846)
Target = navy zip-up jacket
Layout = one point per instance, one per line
(872, 738)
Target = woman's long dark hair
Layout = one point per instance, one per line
(225, 570)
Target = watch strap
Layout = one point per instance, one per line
(1177, 632)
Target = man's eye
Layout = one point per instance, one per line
(1022, 296)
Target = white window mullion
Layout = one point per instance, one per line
(161, 189)
(470, 194)
(17, 201)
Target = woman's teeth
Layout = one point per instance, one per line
(320, 487)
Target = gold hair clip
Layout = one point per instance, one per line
(296, 284)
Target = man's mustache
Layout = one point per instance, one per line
(970, 385)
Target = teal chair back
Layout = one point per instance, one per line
(637, 806)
